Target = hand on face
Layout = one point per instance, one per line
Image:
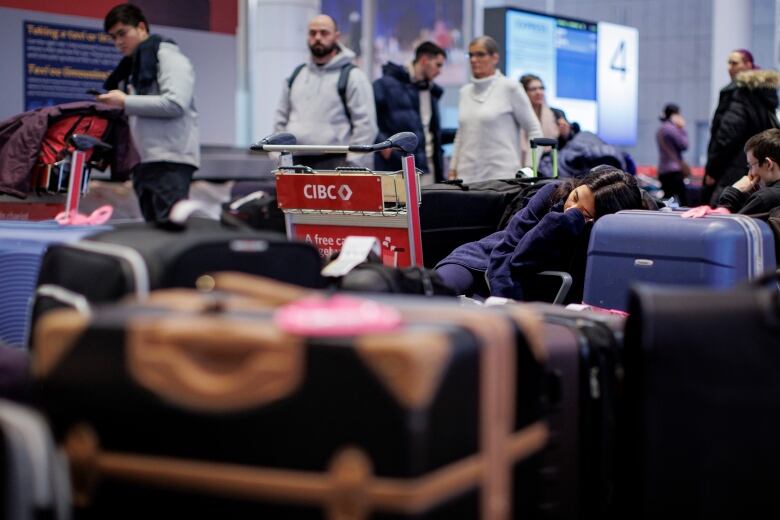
(583, 199)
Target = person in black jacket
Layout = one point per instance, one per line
(747, 196)
(407, 100)
(745, 108)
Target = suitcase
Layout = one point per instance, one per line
(34, 480)
(22, 245)
(701, 371)
(579, 464)
(223, 413)
(664, 248)
(139, 257)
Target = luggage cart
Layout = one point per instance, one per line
(324, 207)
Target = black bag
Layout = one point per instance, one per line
(453, 213)
(139, 257)
(703, 396)
(375, 277)
(258, 210)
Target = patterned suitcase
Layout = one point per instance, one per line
(212, 409)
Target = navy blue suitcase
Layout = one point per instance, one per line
(716, 251)
(22, 245)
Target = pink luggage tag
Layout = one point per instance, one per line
(336, 316)
(703, 211)
(96, 218)
(598, 310)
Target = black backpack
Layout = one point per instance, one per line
(342, 84)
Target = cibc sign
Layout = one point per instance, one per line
(348, 192)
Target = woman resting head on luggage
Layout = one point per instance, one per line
(541, 236)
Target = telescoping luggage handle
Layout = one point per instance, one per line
(544, 141)
(77, 179)
(286, 143)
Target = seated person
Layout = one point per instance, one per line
(539, 237)
(746, 196)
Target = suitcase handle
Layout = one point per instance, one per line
(544, 141)
(212, 364)
(263, 290)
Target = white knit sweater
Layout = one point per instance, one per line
(491, 113)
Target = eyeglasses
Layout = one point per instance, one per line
(751, 165)
(533, 89)
(477, 54)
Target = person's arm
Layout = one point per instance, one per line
(176, 81)
(523, 222)
(360, 101)
(679, 138)
(282, 113)
(735, 197)
(524, 114)
(382, 115)
(453, 173)
(728, 140)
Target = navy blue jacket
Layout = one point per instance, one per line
(541, 236)
(398, 110)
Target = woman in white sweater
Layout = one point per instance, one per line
(492, 110)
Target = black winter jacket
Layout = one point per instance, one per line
(398, 110)
(743, 111)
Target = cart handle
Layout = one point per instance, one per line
(284, 142)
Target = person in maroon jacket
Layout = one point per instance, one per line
(672, 142)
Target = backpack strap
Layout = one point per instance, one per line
(294, 75)
(342, 87)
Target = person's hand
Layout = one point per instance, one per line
(453, 174)
(709, 181)
(114, 98)
(747, 183)
(386, 153)
(677, 120)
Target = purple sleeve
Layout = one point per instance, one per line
(679, 137)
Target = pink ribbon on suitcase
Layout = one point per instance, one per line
(96, 218)
(703, 211)
(336, 316)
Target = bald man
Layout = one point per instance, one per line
(328, 100)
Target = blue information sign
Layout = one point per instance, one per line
(62, 61)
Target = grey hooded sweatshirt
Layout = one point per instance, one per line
(164, 123)
(313, 111)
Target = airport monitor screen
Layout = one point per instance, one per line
(589, 69)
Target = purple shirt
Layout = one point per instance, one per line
(672, 141)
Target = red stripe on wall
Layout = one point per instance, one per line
(223, 13)
(224, 16)
(89, 8)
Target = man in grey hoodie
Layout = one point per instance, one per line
(312, 108)
(154, 84)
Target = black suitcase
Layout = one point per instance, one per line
(579, 463)
(703, 414)
(137, 258)
(453, 213)
(212, 410)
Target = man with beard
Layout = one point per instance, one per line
(327, 100)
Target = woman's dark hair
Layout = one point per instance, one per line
(669, 110)
(127, 14)
(613, 190)
(526, 80)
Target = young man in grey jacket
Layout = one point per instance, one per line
(154, 83)
(311, 107)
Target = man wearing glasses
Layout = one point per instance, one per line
(763, 161)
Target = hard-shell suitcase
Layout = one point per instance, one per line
(22, 246)
(34, 480)
(579, 464)
(701, 374)
(664, 248)
(224, 413)
(137, 258)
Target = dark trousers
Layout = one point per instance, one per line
(673, 185)
(160, 185)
